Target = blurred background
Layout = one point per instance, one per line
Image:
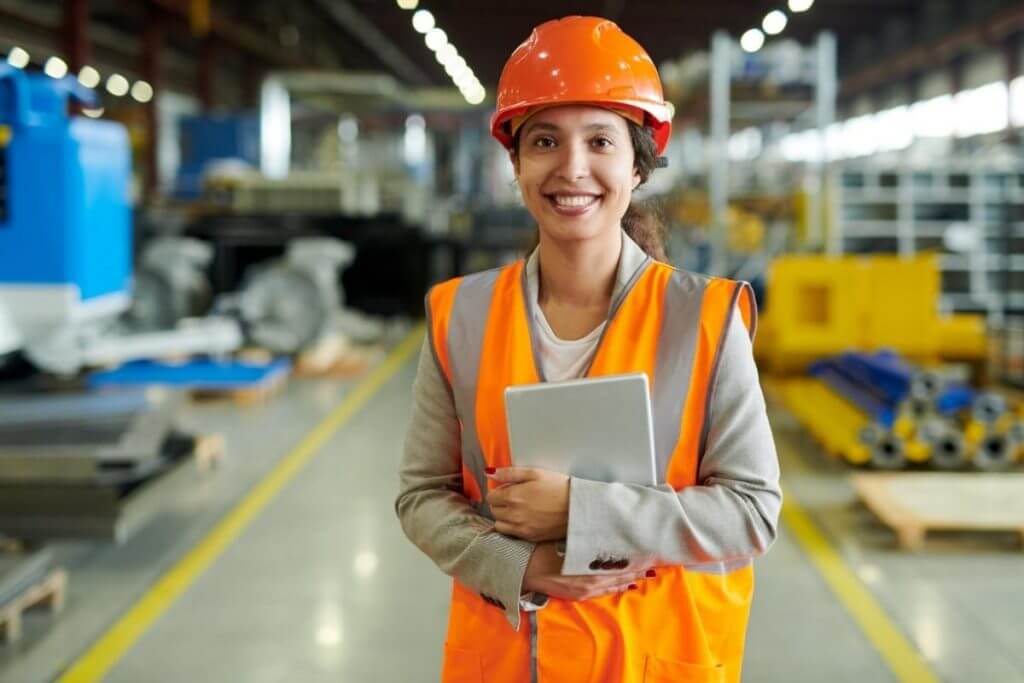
(218, 221)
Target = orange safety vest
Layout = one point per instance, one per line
(688, 623)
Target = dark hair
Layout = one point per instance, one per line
(642, 220)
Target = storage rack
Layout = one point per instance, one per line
(908, 209)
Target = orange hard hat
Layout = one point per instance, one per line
(581, 60)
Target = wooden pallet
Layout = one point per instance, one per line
(912, 504)
(51, 592)
(250, 395)
(335, 357)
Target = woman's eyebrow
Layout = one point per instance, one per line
(544, 125)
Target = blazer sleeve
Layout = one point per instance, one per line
(732, 514)
(434, 513)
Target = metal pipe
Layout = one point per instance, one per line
(949, 452)
(888, 453)
(994, 453)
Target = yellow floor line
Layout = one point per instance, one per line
(112, 646)
(899, 654)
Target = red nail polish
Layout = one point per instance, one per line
(633, 586)
(651, 574)
(490, 470)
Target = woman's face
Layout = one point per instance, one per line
(575, 170)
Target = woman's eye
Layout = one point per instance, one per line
(601, 142)
(544, 142)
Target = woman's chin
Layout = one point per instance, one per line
(575, 230)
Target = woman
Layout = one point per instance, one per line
(560, 579)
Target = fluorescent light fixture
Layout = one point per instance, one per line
(860, 136)
(476, 97)
(89, 77)
(800, 5)
(774, 22)
(408, 4)
(93, 113)
(1017, 101)
(55, 67)
(981, 110)
(893, 129)
(117, 85)
(934, 118)
(464, 78)
(423, 21)
(142, 91)
(436, 39)
(18, 58)
(752, 40)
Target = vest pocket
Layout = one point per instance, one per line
(460, 666)
(663, 671)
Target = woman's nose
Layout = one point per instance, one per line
(573, 164)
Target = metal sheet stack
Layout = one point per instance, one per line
(86, 465)
(879, 409)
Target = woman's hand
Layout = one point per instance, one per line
(543, 575)
(530, 504)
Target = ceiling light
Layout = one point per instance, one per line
(18, 58)
(408, 4)
(93, 113)
(117, 85)
(55, 67)
(774, 22)
(800, 5)
(142, 91)
(447, 53)
(436, 39)
(465, 77)
(752, 40)
(476, 97)
(423, 21)
(455, 68)
(89, 77)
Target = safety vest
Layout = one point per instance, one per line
(687, 624)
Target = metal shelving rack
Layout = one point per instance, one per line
(908, 209)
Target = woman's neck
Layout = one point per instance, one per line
(579, 273)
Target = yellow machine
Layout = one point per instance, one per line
(820, 306)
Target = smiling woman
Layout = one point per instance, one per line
(642, 223)
(615, 581)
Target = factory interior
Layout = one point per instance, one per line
(219, 221)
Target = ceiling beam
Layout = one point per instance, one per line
(356, 25)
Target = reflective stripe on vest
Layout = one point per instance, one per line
(688, 623)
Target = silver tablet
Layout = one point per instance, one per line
(599, 429)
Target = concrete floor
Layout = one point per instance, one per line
(323, 586)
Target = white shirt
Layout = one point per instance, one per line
(562, 359)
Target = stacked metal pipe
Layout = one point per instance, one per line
(919, 416)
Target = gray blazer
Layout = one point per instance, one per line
(730, 517)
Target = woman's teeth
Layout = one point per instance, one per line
(575, 200)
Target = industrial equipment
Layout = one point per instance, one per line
(170, 283)
(289, 303)
(882, 410)
(65, 234)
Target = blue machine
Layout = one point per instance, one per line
(65, 217)
(211, 138)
